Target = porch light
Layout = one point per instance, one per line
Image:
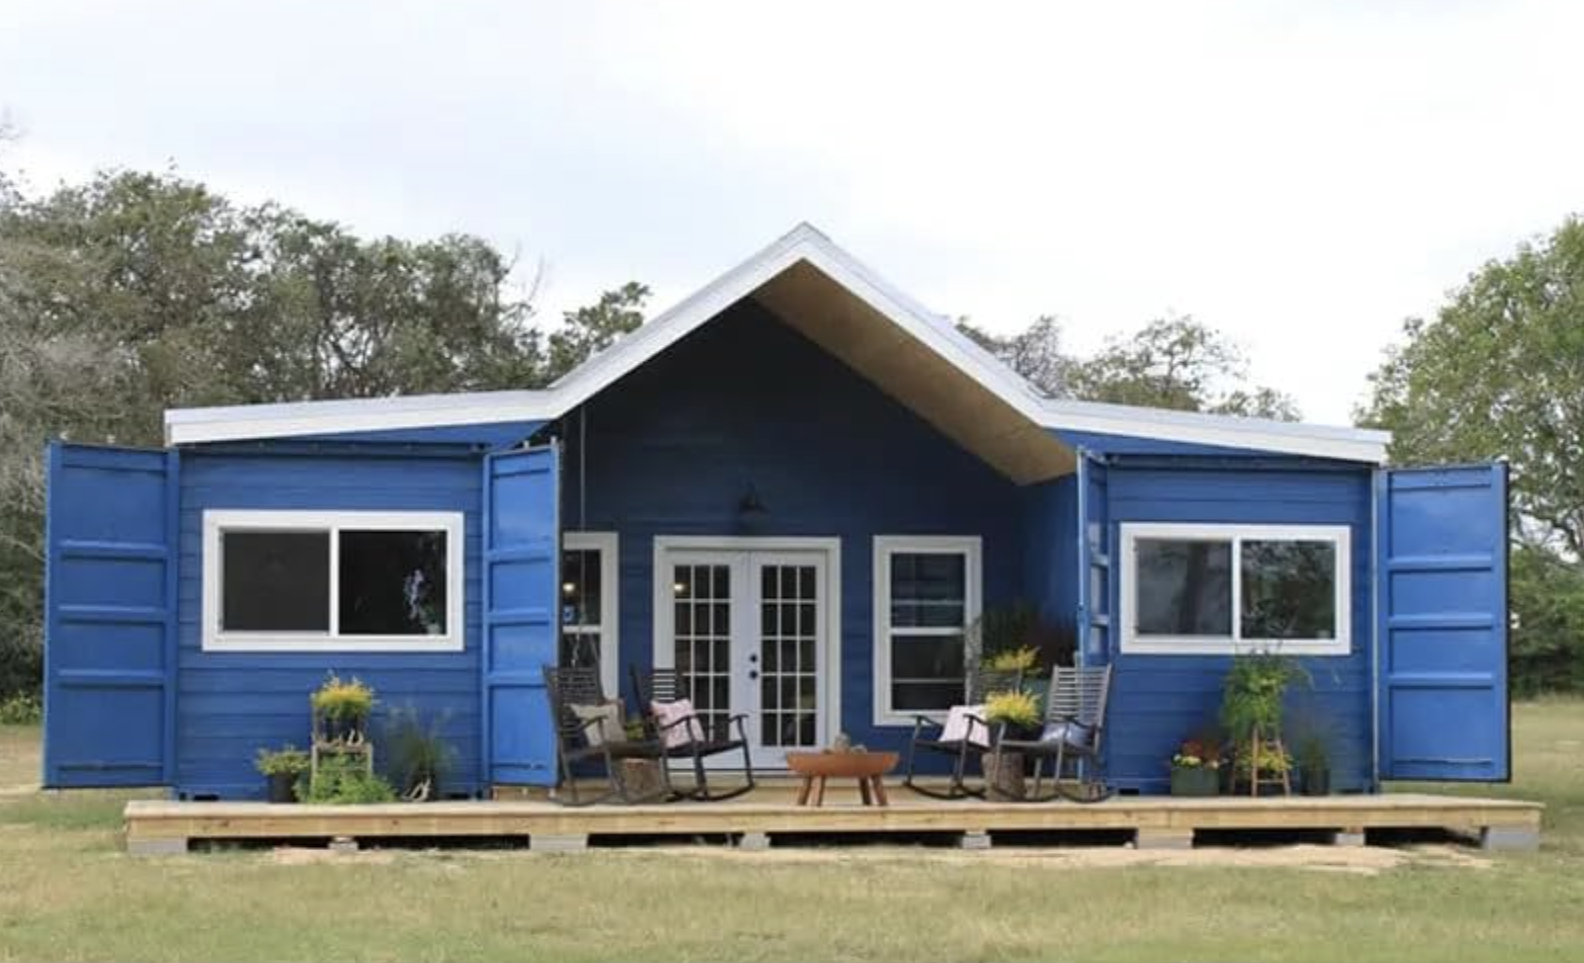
(568, 588)
(751, 503)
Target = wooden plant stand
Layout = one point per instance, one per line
(1283, 779)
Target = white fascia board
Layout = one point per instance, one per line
(1283, 437)
(297, 419)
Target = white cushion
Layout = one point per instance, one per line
(960, 728)
(609, 728)
(666, 713)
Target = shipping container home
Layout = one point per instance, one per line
(800, 487)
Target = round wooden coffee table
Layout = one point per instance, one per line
(866, 767)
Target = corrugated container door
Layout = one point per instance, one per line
(1441, 556)
(1094, 563)
(522, 542)
(110, 617)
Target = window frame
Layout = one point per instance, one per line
(971, 547)
(216, 522)
(608, 545)
(1339, 536)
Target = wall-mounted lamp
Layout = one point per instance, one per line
(750, 505)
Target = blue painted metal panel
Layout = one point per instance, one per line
(110, 591)
(232, 703)
(672, 448)
(521, 571)
(1442, 623)
(492, 435)
(1158, 700)
(1095, 572)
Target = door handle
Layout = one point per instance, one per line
(753, 658)
(753, 674)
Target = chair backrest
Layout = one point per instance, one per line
(567, 687)
(1081, 694)
(657, 685)
(981, 682)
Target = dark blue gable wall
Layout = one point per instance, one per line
(672, 448)
(1160, 700)
(231, 703)
(1049, 523)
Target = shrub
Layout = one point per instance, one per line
(21, 709)
(342, 780)
(1020, 710)
(418, 754)
(286, 760)
(1022, 659)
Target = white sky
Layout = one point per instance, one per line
(1302, 176)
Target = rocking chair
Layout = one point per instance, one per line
(579, 738)
(669, 685)
(929, 735)
(1075, 711)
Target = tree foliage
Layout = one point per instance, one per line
(135, 292)
(1499, 373)
(1174, 362)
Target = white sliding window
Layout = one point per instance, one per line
(926, 595)
(298, 581)
(1191, 589)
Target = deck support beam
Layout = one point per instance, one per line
(558, 842)
(1513, 838)
(156, 846)
(1163, 839)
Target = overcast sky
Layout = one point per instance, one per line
(1302, 176)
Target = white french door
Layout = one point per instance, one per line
(748, 626)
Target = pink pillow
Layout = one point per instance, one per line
(666, 713)
(960, 728)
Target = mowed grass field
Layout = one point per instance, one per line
(68, 892)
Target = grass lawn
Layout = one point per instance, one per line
(67, 891)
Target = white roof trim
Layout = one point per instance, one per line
(802, 243)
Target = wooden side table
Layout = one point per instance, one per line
(868, 768)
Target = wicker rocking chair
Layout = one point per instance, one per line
(669, 685)
(576, 741)
(928, 730)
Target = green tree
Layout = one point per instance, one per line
(1176, 363)
(135, 292)
(1499, 373)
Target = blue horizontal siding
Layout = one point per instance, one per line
(229, 704)
(1160, 700)
(672, 448)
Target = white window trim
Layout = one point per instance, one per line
(608, 544)
(1338, 535)
(969, 546)
(216, 522)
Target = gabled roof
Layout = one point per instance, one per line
(815, 286)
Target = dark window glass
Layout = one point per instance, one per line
(275, 581)
(1289, 590)
(926, 696)
(928, 589)
(580, 587)
(393, 582)
(1184, 587)
(926, 672)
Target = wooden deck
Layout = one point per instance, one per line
(155, 827)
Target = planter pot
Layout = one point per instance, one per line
(282, 787)
(1005, 781)
(640, 778)
(1195, 781)
(1316, 781)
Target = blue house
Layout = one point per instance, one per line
(799, 487)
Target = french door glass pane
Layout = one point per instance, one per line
(788, 671)
(1289, 589)
(1184, 587)
(702, 631)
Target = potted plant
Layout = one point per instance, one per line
(1014, 713)
(1017, 637)
(343, 708)
(419, 755)
(1314, 765)
(1252, 698)
(282, 768)
(1196, 768)
(345, 780)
